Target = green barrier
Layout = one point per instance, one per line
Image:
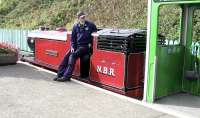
(170, 74)
(192, 86)
(169, 70)
(15, 37)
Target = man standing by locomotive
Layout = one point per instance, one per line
(81, 42)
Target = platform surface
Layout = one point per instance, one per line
(183, 103)
(29, 92)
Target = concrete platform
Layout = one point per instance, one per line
(184, 103)
(29, 92)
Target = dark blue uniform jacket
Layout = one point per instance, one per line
(81, 34)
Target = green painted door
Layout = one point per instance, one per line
(170, 56)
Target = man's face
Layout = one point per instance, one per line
(81, 19)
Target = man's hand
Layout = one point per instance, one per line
(90, 45)
(72, 50)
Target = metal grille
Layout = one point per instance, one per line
(132, 43)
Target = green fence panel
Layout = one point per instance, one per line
(16, 37)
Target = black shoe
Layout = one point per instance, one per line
(63, 79)
(55, 79)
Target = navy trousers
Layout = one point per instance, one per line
(67, 65)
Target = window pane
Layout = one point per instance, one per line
(169, 23)
(196, 25)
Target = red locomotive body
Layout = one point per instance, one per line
(115, 67)
(50, 52)
(50, 47)
(116, 64)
